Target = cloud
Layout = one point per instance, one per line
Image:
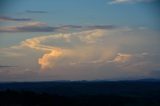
(129, 1)
(91, 37)
(37, 42)
(36, 11)
(6, 66)
(137, 63)
(53, 52)
(125, 58)
(106, 54)
(29, 27)
(45, 60)
(102, 27)
(5, 18)
(96, 46)
(121, 58)
(77, 48)
(43, 27)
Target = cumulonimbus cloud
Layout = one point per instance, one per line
(73, 53)
(96, 51)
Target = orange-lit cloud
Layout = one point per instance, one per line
(44, 61)
(73, 53)
(89, 47)
(92, 47)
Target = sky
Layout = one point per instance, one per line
(48, 40)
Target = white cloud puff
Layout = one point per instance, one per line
(128, 1)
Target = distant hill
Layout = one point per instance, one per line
(134, 87)
(81, 93)
(149, 80)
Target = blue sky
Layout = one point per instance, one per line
(86, 12)
(79, 39)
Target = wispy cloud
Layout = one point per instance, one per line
(29, 27)
(43, 27)
(6, 18)
(36, 11)
(129, 1)
(102, 27)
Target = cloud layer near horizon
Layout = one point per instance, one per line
(98, 51)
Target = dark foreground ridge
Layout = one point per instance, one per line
(81, 93)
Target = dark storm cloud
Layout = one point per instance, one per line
(35, 11)
(6, 18)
